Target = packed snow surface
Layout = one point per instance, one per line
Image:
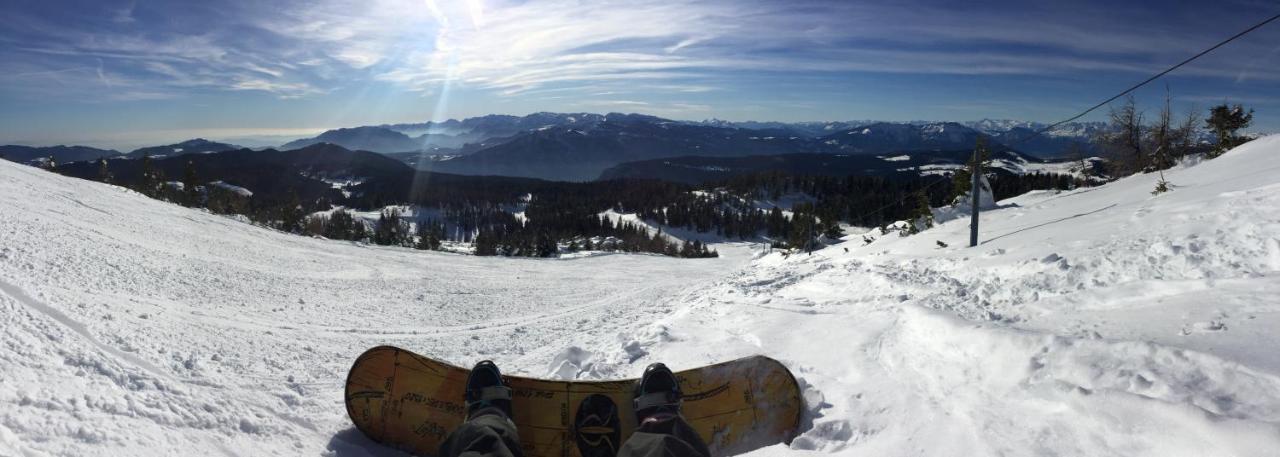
(1099, 322)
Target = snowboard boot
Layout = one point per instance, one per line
(657, 395)
(487, 392)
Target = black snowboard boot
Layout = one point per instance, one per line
(487, 392)
(657, 395)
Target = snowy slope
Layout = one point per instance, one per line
(1104, 321)
(134, 327)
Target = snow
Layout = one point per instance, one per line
(1074, 168)
(1097, 322)
(342, 184)
(634, 219)
(232, 188)
(897, 158)
(136, 327)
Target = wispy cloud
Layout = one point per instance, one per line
(513, 47)
(672, 56)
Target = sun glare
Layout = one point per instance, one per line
(476, 7)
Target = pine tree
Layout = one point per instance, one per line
(291, 214)
(359, 232)
(545, 246)
(104, 174)
(423, 234)
(1225, 120)
(149, 177)
(191, 195)
(922, 219)
(485, 245)
(429, 235)
(385, 233)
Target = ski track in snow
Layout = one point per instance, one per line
(1097, 322)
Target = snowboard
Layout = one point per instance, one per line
(412, 402)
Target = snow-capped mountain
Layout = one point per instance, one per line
(890, 137)
(1056, 143)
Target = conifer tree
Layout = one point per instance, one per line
(485, 244)
(149, 177)
(429, 235)
(291, 214)
(104, 174)
(1225, 120)
(922, 217)
(545, 246)
(191, 195)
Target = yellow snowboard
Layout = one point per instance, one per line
(411, 402)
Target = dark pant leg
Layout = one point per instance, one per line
(487, 434)
(671, 437)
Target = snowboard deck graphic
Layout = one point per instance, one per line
(412, 402)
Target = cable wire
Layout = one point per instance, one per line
(1094, 107)
(1148, 80)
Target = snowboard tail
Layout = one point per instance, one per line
(412, 402)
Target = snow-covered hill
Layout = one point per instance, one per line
(1103, 321)
(129, 326)
(1098, 322)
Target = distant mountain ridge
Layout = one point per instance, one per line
(575, 146)
(376, 139)
(582, 151)
(59, 154)
(697, 170)
(193, 146)
(580, 146)
(591, 144)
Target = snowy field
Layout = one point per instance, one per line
(1099, 322)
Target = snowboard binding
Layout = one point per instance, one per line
(657, 395)
(597, 429)
(486, 391)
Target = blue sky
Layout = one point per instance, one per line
(130, 73)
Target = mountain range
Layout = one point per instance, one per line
(581, 146)
(195, 146)
(701, 169)
(65, 154)
(59, 154)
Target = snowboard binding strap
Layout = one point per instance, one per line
(657, 399)
(493, 393)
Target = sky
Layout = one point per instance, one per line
(125, 74)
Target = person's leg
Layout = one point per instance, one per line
(665, 437)
(488, 431)
(663, 432)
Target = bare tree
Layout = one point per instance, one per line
(1185, 133)
(1123, 139)
(1162, 137)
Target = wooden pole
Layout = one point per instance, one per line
(976, 170)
